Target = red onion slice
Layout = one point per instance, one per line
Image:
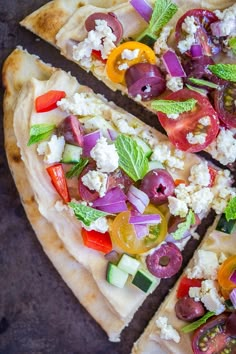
(165, 262)
(112, 134)
(173, 64)
(90, 141)
(112, 22)
(233, 277)
(232, 297)
(145, 219)
(143, 8)
(196, 51)
(114, 208)
(146, 80)
(137, 198)
(114, 195)
(141, 230)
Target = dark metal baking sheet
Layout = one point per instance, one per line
(38, 313)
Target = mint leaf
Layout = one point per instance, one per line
(230, 210)
(224, 71)
(194, 325)
(184, 226)
(39, 132)
(202, 82)
(132, 158)
(173, 107)
(197, 89)
(78, 168)
(86, 214)
(232, 44)
(163, 11)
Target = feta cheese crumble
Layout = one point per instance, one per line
(199, 174)
(170, 157)
(177, 207)
(174, 83)
(168, 332)
(227, 24)
(130, 54)
(223, 148)
(52, 149)
(81, 104)
(205, 265)
(101, 38)
(100, 225)
(205, 121)
(105, 155)
(96, 181)
(190, 28)
(196, 138)
(161, 45)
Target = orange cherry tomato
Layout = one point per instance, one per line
(224, 273)
(115, 61)
(123, 234)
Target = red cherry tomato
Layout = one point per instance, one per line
(185, 284)
(58, 179)
(212, 338)
(225, 106)
(188, 122)
(203, 36)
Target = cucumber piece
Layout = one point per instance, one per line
(146, 148)
(225, 226)
(116, 276)
(71, 154)
(152, 165)
(144, 280)
(128, 264)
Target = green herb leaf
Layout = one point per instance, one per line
(184, 226)
(203, 82)
(39, 132)
(232, 44)
(197, 89)
(163, 11)
(85, 213)
(224, 71)
(78, 168)
(230, 210)
(173, 107)
(194, 325)
(132, 158)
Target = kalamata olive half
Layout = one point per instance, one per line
(112, 22)
(146, 80)
(165, 261)
(72, 130)
(187, 309)
(158, 185)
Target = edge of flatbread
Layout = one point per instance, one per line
(19, 67)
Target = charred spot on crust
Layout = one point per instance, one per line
(16, 158)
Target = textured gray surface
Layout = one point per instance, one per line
(38, 313)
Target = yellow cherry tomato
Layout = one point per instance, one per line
(123, 234)
(116, 66)
(224, 273)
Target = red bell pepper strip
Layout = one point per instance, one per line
(98, 55)
(58, 179)
(213, 174)
(185, 284)
(48, 101)
(97, 240)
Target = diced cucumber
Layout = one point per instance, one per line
(128, 264)
(146, 148)
(71, 154)
(152, 165)
(225, 226)
(116, 276)
(144, 280)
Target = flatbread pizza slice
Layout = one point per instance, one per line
(91, 173)
(179, 51)
(198, 316)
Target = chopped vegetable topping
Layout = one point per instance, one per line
(184, 226)
(173, 107)
(85, 213)
(192, 326)
(224, 71)
(230, 210)
(48, 101)
(39, 132)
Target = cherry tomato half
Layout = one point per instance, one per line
(212, 338)
(188, 122)
(203, 36)
(123, 234)
(224, 99)
(224, 273)
(145, 55)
